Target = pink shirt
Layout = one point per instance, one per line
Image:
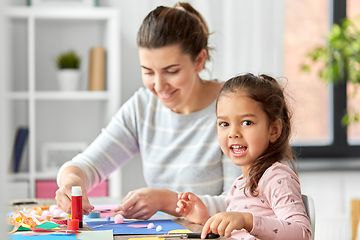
(278, 210)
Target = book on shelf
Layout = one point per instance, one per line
(19, 148)
(97, 69)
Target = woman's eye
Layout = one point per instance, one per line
(247, 123)
(148, 73)
(223, 124)
(173, 72)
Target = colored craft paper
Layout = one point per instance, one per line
(138, 226)
(123, 228)
(105, 207)
(55, 236)
(48, 225)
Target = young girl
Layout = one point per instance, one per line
(253, 123)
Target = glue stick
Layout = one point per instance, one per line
(76, 204)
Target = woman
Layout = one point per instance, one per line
(171, 123)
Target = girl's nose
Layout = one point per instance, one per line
(234, 134)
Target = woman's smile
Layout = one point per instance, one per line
(167, 96)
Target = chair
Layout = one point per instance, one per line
(310, 211)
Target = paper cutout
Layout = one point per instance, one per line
(138, 226)
(105, 207)
(123, 229)
(48, 225)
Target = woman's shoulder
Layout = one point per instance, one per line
(143, 93)
(142, 96)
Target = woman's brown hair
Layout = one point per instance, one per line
(181, 24)
(267, 91)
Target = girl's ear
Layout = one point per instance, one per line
(200, 61)
(275, 130)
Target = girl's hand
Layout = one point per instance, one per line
(63, 199)
(225, 222)
(192, 208)
(145, 202)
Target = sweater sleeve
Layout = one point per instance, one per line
(281, 191)
(216, 204)
(113, 147)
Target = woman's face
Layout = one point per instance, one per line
(171, 76)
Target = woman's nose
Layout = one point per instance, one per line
(159, 84)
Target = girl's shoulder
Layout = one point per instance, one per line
(278, 171)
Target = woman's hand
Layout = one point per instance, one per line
(225, 222)
(63, 199)
(192, 208)
(72, 176)
(145, 202)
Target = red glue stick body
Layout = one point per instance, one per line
(76, 204)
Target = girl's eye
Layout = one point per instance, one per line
(223, 124)
(148, 73)
(247, 123)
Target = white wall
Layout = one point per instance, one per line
(332, 192)
(3, 228)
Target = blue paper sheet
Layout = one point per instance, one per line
(123, 228)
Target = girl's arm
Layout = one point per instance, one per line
(192, 208)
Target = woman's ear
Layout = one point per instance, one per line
(200, 60)
(275, 130)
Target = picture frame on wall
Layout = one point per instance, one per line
(63, 3)
(55, 154)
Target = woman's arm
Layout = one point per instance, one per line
(71, 176)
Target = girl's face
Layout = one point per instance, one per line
(244, 132)
(171, 76)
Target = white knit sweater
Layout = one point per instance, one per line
(179, 152)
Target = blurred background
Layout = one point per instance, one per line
(260, 36)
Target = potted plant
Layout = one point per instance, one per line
(340, 60)
(68, 75)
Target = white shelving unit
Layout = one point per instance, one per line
(36, 35)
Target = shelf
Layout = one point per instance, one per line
(56, 95)
(90, 13)
(35, 36)
(18, 176)
(18, 95)
(51, 174)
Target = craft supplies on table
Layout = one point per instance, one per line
(138, 227)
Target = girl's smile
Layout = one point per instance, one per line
(238, 150)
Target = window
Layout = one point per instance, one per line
(318, 108)
(353, 101)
